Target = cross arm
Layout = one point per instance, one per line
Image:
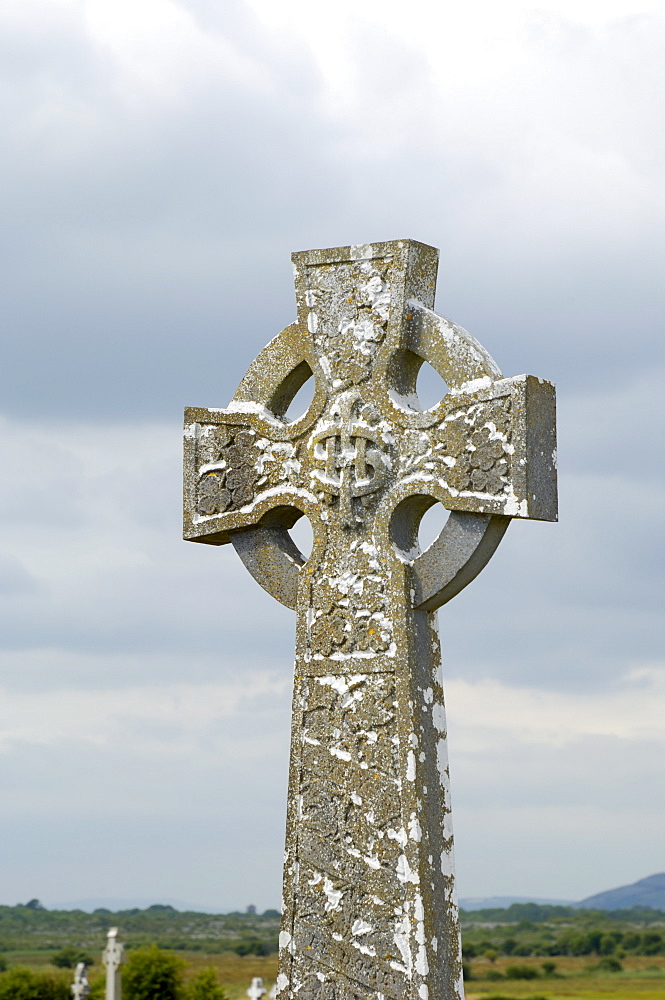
(243, 461)
(490, 448)
(241, 465)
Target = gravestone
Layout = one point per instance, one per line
(80, 988)
(369, 904)
(113, 958)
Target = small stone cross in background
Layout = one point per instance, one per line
(369, 902)
(113, 958)
(256, 990)
(80, 987)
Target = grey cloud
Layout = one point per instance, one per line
(131, 225)
(146, 261)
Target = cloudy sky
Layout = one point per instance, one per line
(160, 160)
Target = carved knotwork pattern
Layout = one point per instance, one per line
(479, 441)
(350, 451)
(357, 296)
(349, 605)
(470, 449)
(278, 463)
(227, 455)
(333, 632)
(351, 898)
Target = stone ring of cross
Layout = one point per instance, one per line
(365, 455)
(369, 902)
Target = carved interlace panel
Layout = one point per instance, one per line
(351, 827)
(227, 456)
(349, 619)
(470, 450)
(349, 305)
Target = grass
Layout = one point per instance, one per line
(642, 978)
(235, 971)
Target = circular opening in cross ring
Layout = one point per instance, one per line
(302, 535)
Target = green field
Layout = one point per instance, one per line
(642, 978)
(590, 955)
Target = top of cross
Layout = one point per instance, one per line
(365, 326)
(257, 989)
(114, 952)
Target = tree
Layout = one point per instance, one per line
(22, 984)
(205, 986)
(152, 974)
(251, 947)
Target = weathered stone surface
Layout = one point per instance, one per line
(369, 897)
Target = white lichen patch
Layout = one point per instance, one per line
(333, 895)
(410, 766)
(404, 871)
(415, 830)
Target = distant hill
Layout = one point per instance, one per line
(646, 892)
(117, 904)
(503, 902)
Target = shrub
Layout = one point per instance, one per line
(22, 984)
(3, 963)
(205, 986)
(68, 958)
(493, 975)
(521, 972)
(610, 964)
(152, 974)
(608, 942)
(548, 968)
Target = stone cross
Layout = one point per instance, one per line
(257, 989)
(113, 958)
(80, 988)
(369, 906)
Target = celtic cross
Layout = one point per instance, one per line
(113, 958)
(369, 907)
